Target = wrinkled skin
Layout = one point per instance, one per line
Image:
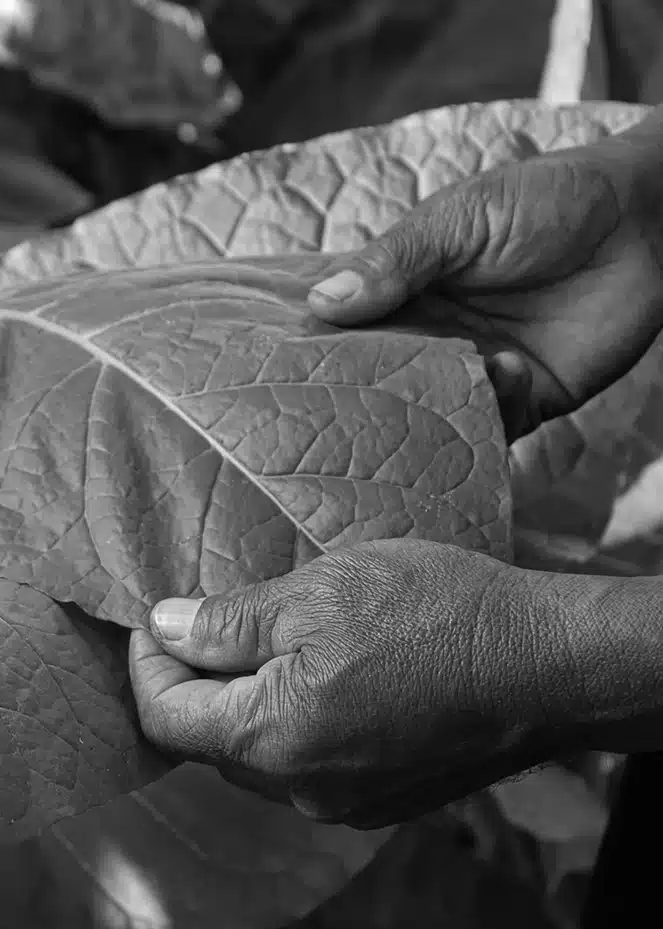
(382, 681)
(556, 260)
(367, 697)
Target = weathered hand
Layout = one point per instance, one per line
(368, 687)
(556, 261)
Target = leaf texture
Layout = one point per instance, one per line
(187, 431)
(68, 738)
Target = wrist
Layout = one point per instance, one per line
(602, 679)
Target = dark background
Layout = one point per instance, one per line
(307, 67)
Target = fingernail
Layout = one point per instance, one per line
(340, 287)
(174, 618)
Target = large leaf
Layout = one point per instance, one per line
(186, 431)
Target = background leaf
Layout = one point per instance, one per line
(132, 61)
(553, 804)
(68, 739)
(190, 851)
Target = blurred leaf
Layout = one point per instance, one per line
(559, 859)
(188, 851)
(133, 61)
(33, 192)
(552, 804)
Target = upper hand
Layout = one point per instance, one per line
(553, 265)
(368, 687)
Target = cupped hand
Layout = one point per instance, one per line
(368, 687)
(553, 265)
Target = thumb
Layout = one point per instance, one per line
(219, 633)
(439, 237)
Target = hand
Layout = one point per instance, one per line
(368, 687)
(553, 265)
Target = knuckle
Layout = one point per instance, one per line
(390, 257)
(267, 733)
(382, 256)
(202, 628)
(309, 605)
(356, 576)
(185, 729)
(242, 623)
(262, 606)
(220, 620)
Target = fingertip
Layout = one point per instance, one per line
(332, 310)
(339, 288)
(365, 309)
(172, 620)
(326, 308)
(349, 298)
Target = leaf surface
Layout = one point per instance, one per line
(186, 431)
(68, 738)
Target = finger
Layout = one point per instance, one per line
(182, 713)
(228, 634)
(437, 238)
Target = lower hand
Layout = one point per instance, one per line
(368, 687)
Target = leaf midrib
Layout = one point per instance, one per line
(107, 360)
